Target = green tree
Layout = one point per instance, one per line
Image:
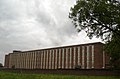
(100, 18)
(112, 47)
(1, 65)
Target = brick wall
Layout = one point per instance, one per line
(88, 56)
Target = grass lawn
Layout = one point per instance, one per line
(7, 75)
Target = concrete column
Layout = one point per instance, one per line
(92, 56)
(70, 58)
(63, 58)
(83, 57)
(79, 56)
(66, 58)
(41, 59)
(74, 59)
(39, 65)
(88, 57)
(56, 59)
(59, 58)
(50, 60)
(53, 59)
(47, 60)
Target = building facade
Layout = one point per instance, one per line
(84, 56)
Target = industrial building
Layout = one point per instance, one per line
(83, 56)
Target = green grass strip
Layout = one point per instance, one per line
(7, 75)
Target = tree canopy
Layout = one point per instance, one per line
(100, 18)
(1, 65)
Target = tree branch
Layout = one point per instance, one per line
(106, 26)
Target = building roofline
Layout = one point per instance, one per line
(61, 47)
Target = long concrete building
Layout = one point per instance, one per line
(84, 56)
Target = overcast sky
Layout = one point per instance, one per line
(35, 24)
